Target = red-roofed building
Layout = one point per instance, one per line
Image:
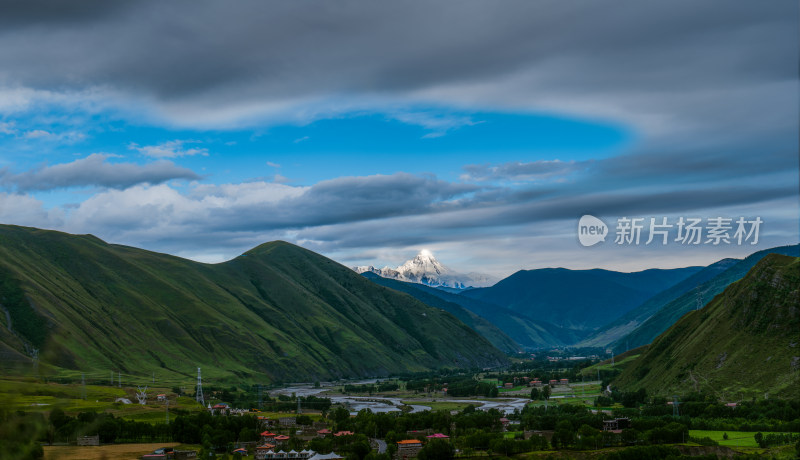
(281, 438)
(323, 432)
(266, 436)
(343, 433)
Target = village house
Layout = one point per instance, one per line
(408, 448)
(505, 422)
(267, 437)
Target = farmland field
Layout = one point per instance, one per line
(115, 451)
(735, 438)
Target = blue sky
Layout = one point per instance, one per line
(373, 131)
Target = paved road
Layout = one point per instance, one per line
(381, 446)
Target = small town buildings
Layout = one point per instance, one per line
(281, 439)
(408, 448)
(161, 397)
(343, 433)
(564, 381)
(267, 437)
(508, 385)
(262, 453)
(438, 436)
(323, 432)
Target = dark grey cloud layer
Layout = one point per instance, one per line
(94, 170)
(667, 64)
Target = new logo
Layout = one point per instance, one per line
(591, 230)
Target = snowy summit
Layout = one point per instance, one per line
(424, 268)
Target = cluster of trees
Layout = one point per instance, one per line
(776, 439)
(467, 386)
(576, 427)
(19, 432)
(538, 394)
(378, 387)
(64, 428)
(628, 399)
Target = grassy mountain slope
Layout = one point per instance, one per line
(676, 308)
(278, 312)
(483, 327)
(632, 319)
(578, 299)
(742, 344)
(527, 332)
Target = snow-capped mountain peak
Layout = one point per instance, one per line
(424, 268)
(423, 263)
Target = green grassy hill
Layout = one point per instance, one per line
(277, 312)
(628, 322)
(674, 309)
(742, 344)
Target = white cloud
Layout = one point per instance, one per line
(21, 209)
(169, 149)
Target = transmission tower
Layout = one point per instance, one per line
(141, 394)
(83, 386)
(698, 299)
(675, 409)
(199, 394)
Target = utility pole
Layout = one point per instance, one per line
(199, 394)
(167, 411)
(119, 379)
